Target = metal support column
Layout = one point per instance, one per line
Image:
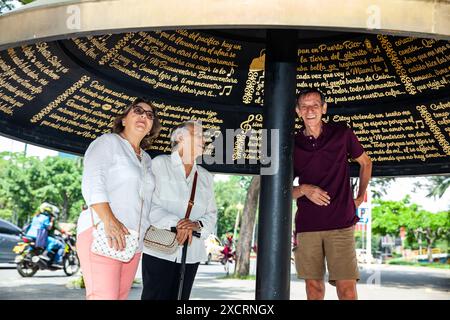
(275, 203)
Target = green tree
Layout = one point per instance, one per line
(434, 185)
(379, 186)
(243, 249)
(63, 185)
(230, 194)
(438, 185)
(20, 178)
(8, 5)
(238, 194)
(5, 203)
(26, 182)
(389, 216)
(430, 226)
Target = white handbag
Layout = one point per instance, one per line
(100, 245)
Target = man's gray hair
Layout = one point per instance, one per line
(181, 130)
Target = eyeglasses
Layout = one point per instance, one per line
(140, 111)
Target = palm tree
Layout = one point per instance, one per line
(8, 5)
(438, 186)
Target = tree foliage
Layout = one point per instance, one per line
(26, 182)
(230, 198)
(8, 5)
(389, 216)
(436, 185)
(380, 185)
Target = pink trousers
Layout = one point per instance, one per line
(104, 278)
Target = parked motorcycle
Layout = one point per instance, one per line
(28, 260)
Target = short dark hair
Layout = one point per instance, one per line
(156, 128)
(307, 91)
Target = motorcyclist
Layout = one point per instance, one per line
(44, 220)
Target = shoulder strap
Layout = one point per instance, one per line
(191, 200)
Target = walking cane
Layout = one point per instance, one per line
(185, 245)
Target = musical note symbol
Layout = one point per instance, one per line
(231, 72)
(261, 77)
(227, 89)
(385, 67)
(421, 124)
(245, 125)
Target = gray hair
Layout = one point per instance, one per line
(180, 130)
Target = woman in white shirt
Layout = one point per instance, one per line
(174, 175)
(117, 185)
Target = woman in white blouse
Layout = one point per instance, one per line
(117, 185)
(174, 175)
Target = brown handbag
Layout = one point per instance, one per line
(165, 241)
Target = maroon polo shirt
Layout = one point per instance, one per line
(323, 162)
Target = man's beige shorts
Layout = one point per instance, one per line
(337, 247)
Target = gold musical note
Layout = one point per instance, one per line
(421, 124)
(231, 72)
(227, 89)
(261, 77)
(245, 126)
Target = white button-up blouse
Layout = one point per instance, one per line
(112, 173)
(170, 201)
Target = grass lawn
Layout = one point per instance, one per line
(437, 265)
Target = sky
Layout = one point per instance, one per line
(396, 192)
(16, 146)
(403, 186)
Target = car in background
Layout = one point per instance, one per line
(214, 249)
(10, 235)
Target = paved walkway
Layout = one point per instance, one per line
(378, 282)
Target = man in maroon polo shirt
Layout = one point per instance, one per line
(326, 212)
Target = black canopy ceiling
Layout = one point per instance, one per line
(393, 91)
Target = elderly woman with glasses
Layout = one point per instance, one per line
(174, 179)
(117, 185)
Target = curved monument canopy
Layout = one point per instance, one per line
(67, 68)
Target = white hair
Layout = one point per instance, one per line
(181, 130)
